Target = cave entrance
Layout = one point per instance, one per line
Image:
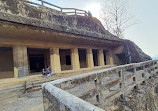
(82, 58)
(38, 59)
(95, 56)
(65, 59)
(6, 63)
(105, 56)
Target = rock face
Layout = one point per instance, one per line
(23, 13)
(132, 53)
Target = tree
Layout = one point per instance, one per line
(115, 17)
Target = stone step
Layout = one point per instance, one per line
(35, 85)
(4, 91)
(10, 87)
(31, 83)
(35, 89)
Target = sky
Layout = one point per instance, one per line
(144, 33)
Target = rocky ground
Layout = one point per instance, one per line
(144, 98)
(27, 102)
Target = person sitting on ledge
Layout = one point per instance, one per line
(44, 72)
(48, 72)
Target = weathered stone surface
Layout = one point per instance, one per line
(144, 98)
(67, 102)
(20, 61)
(20, 12)
(132, 53)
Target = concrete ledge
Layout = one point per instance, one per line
(69, 101)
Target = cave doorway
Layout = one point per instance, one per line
(82, 58)
(6, 62)
(105, 56)
(95, 56)
(38, 59)
(65, 59)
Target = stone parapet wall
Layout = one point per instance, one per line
(65, 101)
(99, 88)
(35, 84)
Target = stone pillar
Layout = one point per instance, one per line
(90, 62)
(20, 61)
(55, 60)
(101, 58)
(75, 59)
(135, 76)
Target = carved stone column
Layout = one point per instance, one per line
(55, 60)
(75, 59)
(20, 61)
(101, 58)
(90, 62)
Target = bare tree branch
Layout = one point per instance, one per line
(115, 17)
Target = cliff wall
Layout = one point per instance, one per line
(133, 54)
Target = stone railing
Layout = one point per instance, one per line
(68, 11)
(97, 88)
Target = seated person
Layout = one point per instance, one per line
(48, 72)
(44, 72)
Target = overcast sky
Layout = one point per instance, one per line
(144, 34)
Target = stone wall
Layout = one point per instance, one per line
(99, 88)
(64, 101)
